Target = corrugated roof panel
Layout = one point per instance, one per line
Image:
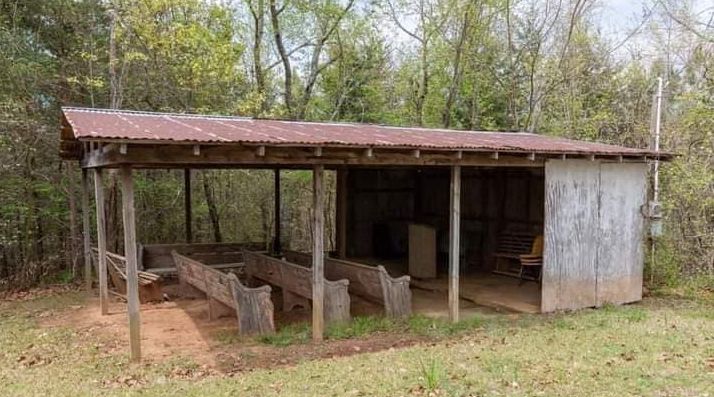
(158, 127)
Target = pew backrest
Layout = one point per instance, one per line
(370, 282)
(297, 280)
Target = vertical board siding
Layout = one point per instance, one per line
(571, 228)
(623, 191)
(593, 230)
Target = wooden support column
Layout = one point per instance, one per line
(132, 275)
(86, 237)
(318, 280)
(276, 239)
(341, 216)
(101, 241)
(454, 246)
(187, 204)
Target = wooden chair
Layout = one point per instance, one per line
(511, 245)
(533, 262)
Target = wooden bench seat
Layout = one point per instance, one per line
(370, 282)
(149, 283)
(296, 284)
(227, 295)
(158, 256)
(238, 268)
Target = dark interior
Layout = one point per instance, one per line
(383, 202)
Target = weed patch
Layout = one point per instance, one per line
(288, 335)
(431, 374)
(360, 326)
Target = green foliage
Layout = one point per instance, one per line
(469, 65)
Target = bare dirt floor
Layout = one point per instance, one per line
(179, 328)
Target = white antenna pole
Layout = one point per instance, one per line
(658, 116)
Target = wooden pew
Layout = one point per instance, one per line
(149, 284)
(370, 282)
(157, 257)
(296, 283)
(226, 295)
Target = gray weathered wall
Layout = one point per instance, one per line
(623, 190)
(593, 233)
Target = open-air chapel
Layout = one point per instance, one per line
(515, 221)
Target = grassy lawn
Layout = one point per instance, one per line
(661, 347)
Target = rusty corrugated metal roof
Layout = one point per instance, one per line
(167, 128)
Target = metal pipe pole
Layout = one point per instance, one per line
(658, 116)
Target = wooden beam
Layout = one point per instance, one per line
(454, 246)
(132, 275)
(101, 241)
(188, 223)
(277, 248)
(341, 215)
(86, 237)
(227, 156)
(318, 263)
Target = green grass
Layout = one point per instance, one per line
(432, 374)
(363, 327)
(288, 335)
(662, 347)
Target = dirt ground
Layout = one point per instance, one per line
(180, 328)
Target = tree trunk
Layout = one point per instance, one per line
(74, 239)
(212, 209)
(258, 14)
(284, 57)
(456, 78)
(423, 86)
(111, 208)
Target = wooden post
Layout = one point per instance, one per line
(87, 239)
(101, 241)
(454, 246)
(341, 216)
(132, 275)
(276, 239)
(318, 280)
(187, 203)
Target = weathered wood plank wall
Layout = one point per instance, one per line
(623, 190)
(593, 234)
(571, 225)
